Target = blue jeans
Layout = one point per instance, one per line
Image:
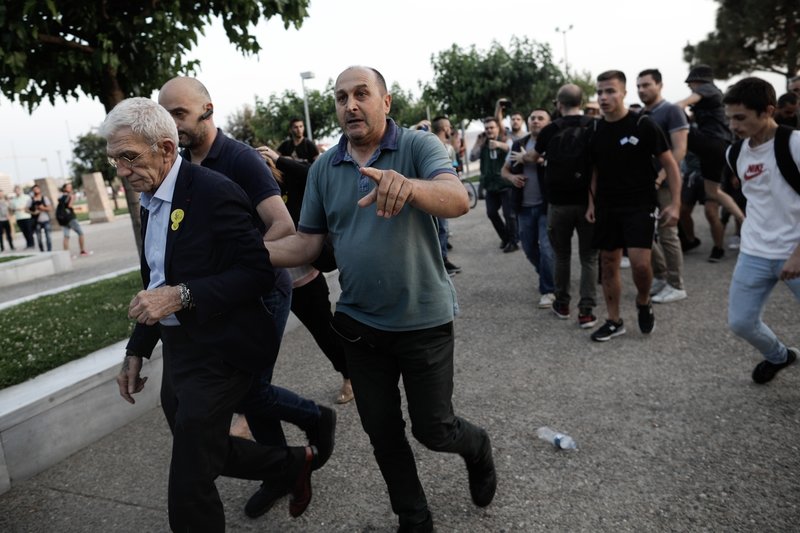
(536, 244)
(752, 282)
(40, 227)
(266, 405)
(442, 225)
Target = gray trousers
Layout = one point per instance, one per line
(667, 256)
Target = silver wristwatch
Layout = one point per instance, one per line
(186, 296)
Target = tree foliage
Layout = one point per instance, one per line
(113, 50)
(468, 83)
(267, 120)
(751, 35)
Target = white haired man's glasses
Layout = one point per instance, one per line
(125, 162)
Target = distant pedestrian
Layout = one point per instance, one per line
(19, 208)
(770, 243)
(492, 155)
(40, 209)
(5, 222)
(297, 146)
(65, 214)
(529, 199)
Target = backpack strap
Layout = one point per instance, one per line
(783, 155)
(732, 155)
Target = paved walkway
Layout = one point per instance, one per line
(673, 435)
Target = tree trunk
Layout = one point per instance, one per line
(112, 97)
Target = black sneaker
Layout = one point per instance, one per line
(765, 370)
(716, 255)
(608, 331)
(451, 268)
(647, 320)
(686, 246)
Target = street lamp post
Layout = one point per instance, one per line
(563, 33)
(303, 77)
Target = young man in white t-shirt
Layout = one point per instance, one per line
(770, 247)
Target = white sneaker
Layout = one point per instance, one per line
(733, 242)
(625, 263)
(546, 301)
(669, 294)
(657, 286)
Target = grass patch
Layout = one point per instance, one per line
(84, 217)
(7, 258)
(52, 330)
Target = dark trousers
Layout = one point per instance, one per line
(5, 229)
(198, 396)
(424, 358)
(506, 229)
(26, 227)
(311, 304)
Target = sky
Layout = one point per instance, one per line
(398, 41)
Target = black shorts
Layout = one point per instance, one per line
(624, 227)
(693, 190)
(711, 153)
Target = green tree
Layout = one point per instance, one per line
(408, 110)
(89, 155)
(113, 50)
(751, 35)
(468, 83)
(267, 121)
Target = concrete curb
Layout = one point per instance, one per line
(34, 266)
(44, 420)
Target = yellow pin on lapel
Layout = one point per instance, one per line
(176, 217)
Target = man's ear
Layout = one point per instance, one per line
(387, 103)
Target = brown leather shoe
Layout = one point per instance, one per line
(301, 490)
(346, 393)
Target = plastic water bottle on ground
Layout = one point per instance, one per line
(557, 439)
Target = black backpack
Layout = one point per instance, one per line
(568, 163)
(64, 214)
(783, 156)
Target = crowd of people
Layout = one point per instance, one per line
(224, 260)
(33, 213)
(625, 180)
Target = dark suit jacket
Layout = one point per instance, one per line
(218, 252)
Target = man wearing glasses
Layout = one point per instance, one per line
(203, 267)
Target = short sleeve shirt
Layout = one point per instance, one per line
(623, 153)
(709, 113)
(390, 270)
(245, 167)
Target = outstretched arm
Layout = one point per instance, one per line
(441, 196)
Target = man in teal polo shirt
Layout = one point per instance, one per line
(395, 314)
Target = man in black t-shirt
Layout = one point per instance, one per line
(296, 145)
(622, 200)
